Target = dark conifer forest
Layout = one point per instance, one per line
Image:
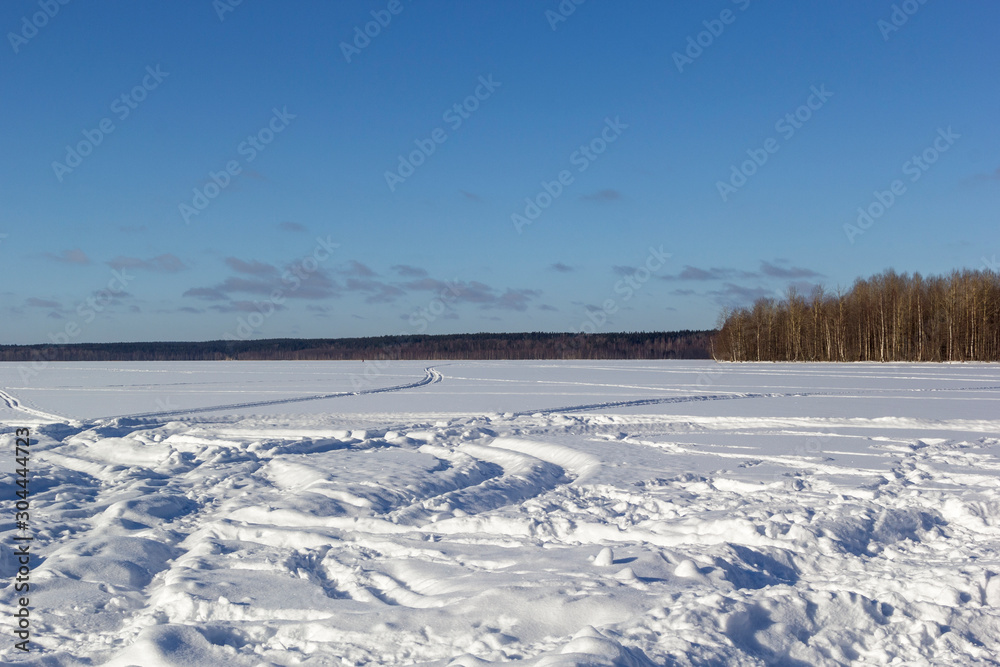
(638, 345)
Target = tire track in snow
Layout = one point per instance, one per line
(14, 404)
(653, 401)
(712, 397)
(430, 377)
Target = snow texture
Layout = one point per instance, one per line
(476, 513)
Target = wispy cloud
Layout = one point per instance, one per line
(291, 227)
(603, 195)
(426, 283)
(253, 267)
(253, 278)
(407, 271)
(471, 196)
(321, 311)
(715, 273)
(516, 299)
(356, 269)
(769, 269)
(242, 307)
(376, 291)
(986, 177)
(561, 268)
(75, 256)
(262, 279)
(206, 294)
(738, 295)
(166, 263)
(41, 303)
(475, 292)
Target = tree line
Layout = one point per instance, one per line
(534, 345)
(888, 317)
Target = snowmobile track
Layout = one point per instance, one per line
(430, 377)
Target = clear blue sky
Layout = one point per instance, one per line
(306, 235)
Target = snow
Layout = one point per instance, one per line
(475, 513)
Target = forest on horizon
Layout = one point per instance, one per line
(479, 346)
(887, 317)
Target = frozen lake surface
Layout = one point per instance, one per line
(471, 513)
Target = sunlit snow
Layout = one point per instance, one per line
(471, 513)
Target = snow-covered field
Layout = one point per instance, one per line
(471, 513)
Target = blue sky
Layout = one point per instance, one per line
(204, 170)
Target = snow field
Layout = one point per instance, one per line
(815, 515)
